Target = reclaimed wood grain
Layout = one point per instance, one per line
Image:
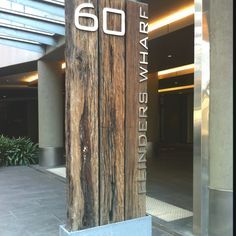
(81, 122)
(132, 107)
(142, 168)
(134, 200)
(106, 179)
(112, 115)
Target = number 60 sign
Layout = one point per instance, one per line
(106, 10)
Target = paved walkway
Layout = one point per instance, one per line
(32, 203)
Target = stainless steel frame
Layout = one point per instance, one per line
(201, 119)
(213, 200)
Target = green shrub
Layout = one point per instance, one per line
(17, 151)
(5, 145)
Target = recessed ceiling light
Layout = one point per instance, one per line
(177, 71)
(63, 66)
(176, 88)
(185, 12)
(169, 56)
(31, 78)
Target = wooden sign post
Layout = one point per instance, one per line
(106, 111)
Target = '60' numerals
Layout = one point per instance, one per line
(94, 18)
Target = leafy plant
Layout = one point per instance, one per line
(5, 145)
(17, 151)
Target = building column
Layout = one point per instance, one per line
(51, 113)
(213, 118)
(221, 118)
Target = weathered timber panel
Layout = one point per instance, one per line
(142, 114)
(132, 106)
(82, 121)
(105, 171)
(112, 118)
(135, 200)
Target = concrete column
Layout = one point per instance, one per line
(213, 118)
(51, 113)
(221, 118)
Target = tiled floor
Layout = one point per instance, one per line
(60, 171)
(165, 211)
(160, 209)
(32, 203)
(170, 180)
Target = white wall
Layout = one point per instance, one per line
(10, 56)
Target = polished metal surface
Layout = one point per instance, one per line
(201, 119)
(51, 157)
(135, 227)
(221, 213)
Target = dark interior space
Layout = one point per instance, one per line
(19, 112)
(174, 117)
(179, 44)
(170, 120)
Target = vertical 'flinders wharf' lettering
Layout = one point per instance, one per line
(143, 100)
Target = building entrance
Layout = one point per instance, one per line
(170, 167)
(171, 99)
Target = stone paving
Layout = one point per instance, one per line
(170, 179)
(32, 203)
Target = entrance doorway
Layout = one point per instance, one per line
(170, 135)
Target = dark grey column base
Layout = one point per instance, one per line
(136, 227)
(51, 157)
(220, 212)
